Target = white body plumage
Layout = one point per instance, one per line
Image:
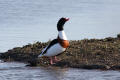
(56, 48)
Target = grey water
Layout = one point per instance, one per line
(28, 21)
(18, 71)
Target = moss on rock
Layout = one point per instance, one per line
(88, 54)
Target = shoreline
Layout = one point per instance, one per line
(101, 54)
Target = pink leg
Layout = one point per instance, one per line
(51, 60)
(55, 59)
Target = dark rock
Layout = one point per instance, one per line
(116, 67)
(92, 66)
(62, 64)
(86, 54)
(109, 39)
(33, 62)
(118, 36)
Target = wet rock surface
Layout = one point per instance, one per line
(86, 54)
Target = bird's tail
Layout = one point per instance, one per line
(40, 55)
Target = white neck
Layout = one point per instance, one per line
(62, 35)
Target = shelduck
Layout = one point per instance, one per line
(57, 45)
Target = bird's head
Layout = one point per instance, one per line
(61, 23)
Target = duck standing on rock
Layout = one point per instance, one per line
(58, 45)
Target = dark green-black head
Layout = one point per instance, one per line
(61, 23)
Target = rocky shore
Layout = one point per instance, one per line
(87, 54)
